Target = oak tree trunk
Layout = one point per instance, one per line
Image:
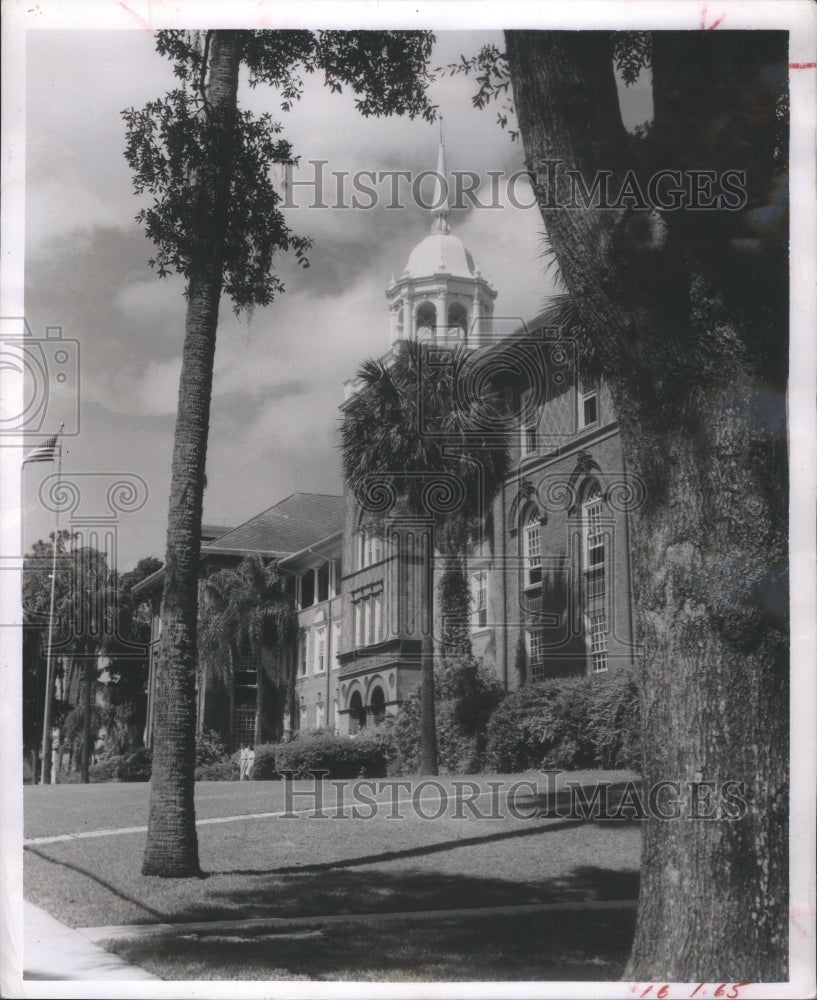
(172, 846)
(687, 321)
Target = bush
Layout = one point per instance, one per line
(135, 766)
(106, 769)
(364, 755)
(218, 770)
(569, 723)
(466, 695)
(265, 767)
(211, 747)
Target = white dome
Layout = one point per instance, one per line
(440, 252)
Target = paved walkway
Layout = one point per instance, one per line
(53, 951)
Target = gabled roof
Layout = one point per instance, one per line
(286, 527)
(209, 532)
(290, 526)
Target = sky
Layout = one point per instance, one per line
(279, 372)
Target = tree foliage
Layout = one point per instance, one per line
(173, 141)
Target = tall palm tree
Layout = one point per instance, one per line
(250, 605)
(443, 450)
(216, 218)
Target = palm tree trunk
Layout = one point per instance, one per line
(258, 736)
(172, 845)
(86, 724)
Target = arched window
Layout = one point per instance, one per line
(426, 319)
(594, 577)
(532, 542)
(457, 319)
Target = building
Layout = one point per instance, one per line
(550, 579)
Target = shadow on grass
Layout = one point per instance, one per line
(371, 883)
(409, 852)
(345, 891)
(590, 945)
(156, 914)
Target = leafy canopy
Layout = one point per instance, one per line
(173, 141)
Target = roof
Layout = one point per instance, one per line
(290, 526)
(211, 531)
(440, 253)
(287, 527)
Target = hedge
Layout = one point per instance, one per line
(365, 755)
(567, 722)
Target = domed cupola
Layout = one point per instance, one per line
(441, 294)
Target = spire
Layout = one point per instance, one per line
(440, 199)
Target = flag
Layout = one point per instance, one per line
(45, 452)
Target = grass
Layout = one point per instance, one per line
(546, 946)
(305, 866)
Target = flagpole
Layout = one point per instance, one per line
(49, 681)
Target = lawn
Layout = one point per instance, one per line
(258, 867)
(530, 947)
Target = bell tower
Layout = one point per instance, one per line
(441, 294)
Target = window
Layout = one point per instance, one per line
(304, 651)
(369, 624)
(370, 548)
(533, 551)
(479, 598)
(595, 578)
(536, 655)
(335, 645)
(377, 618)
(359, 624)
(529, 418)
(320, 716)
(594, 555)
(588, 405)
(320, 650)
(598, 643)
(243, 727)
(302, 716)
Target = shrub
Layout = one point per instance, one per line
(364, 755)
(106, 769)
(135, 766)
(210, 747)
(466, 695)
(567, 722)
(264, 768)
(217, 770)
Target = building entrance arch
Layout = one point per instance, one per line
(357, 713)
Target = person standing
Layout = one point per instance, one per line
(250, 762)
(242, 763)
